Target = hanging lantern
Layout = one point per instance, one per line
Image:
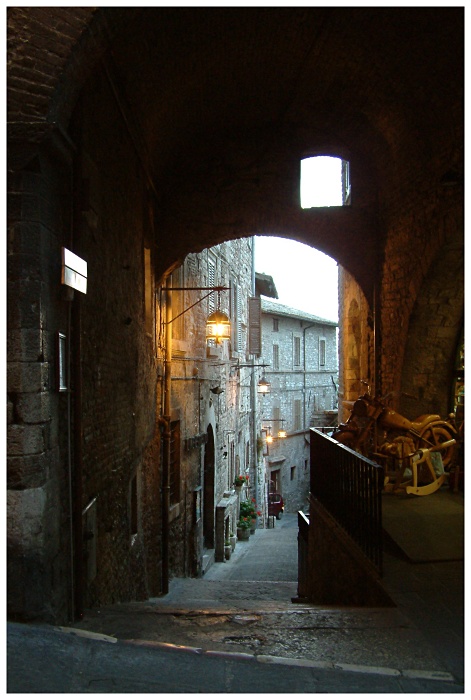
(264, 387)
(218, 326)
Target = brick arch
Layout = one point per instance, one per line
(40, 47)
(52, 52)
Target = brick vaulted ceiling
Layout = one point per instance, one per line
(227, 100)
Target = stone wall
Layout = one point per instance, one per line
(356, 344)
(39, 507)
(209, 390)
(303, 387)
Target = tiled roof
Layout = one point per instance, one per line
(271, 307)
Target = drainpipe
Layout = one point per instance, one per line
(260, 491)
(304, 373)
(78, 459)
(165, 421)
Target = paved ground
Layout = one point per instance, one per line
(242, 611)
(43, 660)
(244, 605)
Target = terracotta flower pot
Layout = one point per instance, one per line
(243, 533)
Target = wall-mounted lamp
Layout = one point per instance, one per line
(281, 433)
(218, 324)
(263, 386)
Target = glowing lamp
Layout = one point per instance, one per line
(218, 326)
(264, 387)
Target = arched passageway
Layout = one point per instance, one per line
(151, 134)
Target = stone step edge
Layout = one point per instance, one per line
(305, 663)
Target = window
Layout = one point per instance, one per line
(276, 357)
(297, 414)
(296, 351)
(293, 473)
(174, 476)
(346, 187)
(322, 181)
(321, 352)
(275, 481)
(276, 325)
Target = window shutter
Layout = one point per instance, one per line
(211, 283)
(234, 306)
(297, 414)
(239, 319)
(276, 357)
(255, 326)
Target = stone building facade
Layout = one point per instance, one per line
(212, 410)
(301, 351)
(138, 136)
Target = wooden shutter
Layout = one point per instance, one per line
(255, 326)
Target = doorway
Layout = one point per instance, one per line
(208, 492)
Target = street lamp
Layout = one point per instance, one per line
(218, 326)
(281, 433)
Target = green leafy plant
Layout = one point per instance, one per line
(241, 480)
(244, 523)
(249, 509)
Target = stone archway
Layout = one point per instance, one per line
(211, 144)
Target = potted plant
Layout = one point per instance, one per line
(227, 549)
(243, 528)
(240, 480)
(232, 540)
(248, 508)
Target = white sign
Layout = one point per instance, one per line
(74, 271)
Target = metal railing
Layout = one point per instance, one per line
(349, 487)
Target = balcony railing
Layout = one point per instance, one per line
(349, 487)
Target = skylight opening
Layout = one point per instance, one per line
(325, 182)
